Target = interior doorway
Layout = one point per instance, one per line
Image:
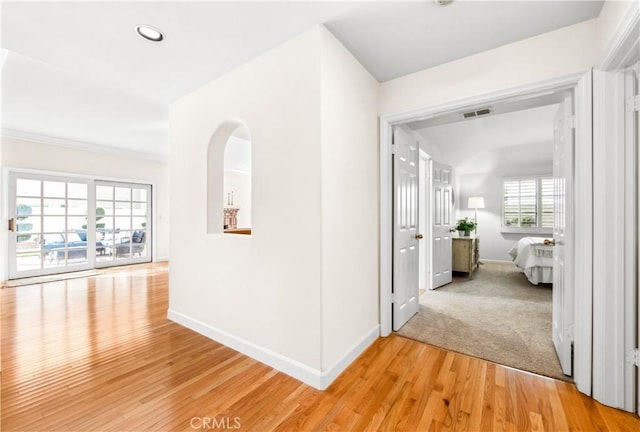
(438, 114)
(504, 159)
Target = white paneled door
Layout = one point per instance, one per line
(563, 293)
(442, 193)
(405, 227)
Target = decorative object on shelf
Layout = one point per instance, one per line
(230, 198)
(231, 217)
(464, 227)
(476, 203)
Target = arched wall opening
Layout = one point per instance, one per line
(229, 179)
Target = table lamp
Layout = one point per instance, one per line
(476, 203)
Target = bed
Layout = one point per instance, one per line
(534, 258)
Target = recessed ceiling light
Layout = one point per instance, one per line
(150, 33)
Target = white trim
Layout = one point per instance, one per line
(512, 94)
(300, 371)
(610, 222)
(624, 45)
(79, 145)
(161, 259)
(630, 244)
(386, 122)
(331, 373)
(386, 228)
(583, 242)
(4, 217)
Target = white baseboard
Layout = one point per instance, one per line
(495, 261)
(329, 375)
(308, 375)
(161, 259)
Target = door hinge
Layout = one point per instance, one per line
(393, 298)
(633, 357)
(571, 122)
(393, 149)
(633, 103)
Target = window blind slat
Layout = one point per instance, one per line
(528, 202)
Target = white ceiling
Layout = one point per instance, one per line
(465, 144)
(392, 39)
(77, 70)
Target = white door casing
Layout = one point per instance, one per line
(636, 130)
(423, 221)
(583, 243)
(442, 193)
(632, 290)
(405, 223)
(563, 303)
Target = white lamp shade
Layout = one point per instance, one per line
(476, 202)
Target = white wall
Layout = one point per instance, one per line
(551, 55)
(349, 169)
(486, 181)
(261, 290)
(19, 153)
(300, 293)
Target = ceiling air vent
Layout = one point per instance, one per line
(476, 113)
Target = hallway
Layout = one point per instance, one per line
(98, 353)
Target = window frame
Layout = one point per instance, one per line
(537, 229)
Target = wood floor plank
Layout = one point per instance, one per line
(98, 354)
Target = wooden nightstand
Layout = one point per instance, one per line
(466, 254)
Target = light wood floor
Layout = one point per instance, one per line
(99, 354)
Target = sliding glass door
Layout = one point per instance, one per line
(123, 230)
(50, 230)
(48, 225)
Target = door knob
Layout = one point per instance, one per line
(419, 236)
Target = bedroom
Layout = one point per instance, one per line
(496, 311)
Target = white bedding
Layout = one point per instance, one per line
(534, 258)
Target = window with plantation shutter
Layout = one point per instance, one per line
(546, 199)
(527, 204)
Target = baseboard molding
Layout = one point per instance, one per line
(161, 259)
(338, 367)
(308, 375)
(495, 261)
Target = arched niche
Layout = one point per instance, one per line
(229, 179)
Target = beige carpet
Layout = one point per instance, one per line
(498, 316)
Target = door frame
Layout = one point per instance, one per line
(612, 386)
(582, 182)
